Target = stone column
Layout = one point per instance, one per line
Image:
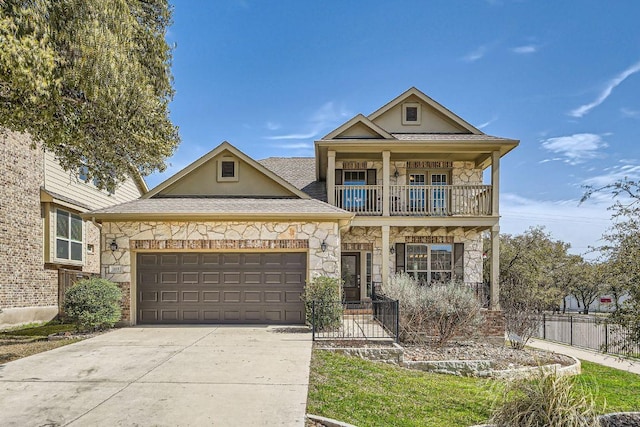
(494, 290)
(385, 255)
(331, 178)
(386, 168)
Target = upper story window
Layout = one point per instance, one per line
(411, 113)
(227, 169)
(69, 236)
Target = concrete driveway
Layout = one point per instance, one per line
(173, 376)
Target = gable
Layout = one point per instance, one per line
(225, 172)
(359, 127)
(428, 120)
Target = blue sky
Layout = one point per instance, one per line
(563, 77)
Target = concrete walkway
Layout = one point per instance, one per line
(588, 355)
(163, 376)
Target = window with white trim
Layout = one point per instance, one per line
(430, 263)
(411, 113)
(69, 236)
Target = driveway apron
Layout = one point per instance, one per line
(163, 376)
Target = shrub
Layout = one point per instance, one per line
(545, 399)
(93, 304)
(445, 310)
(325, 292)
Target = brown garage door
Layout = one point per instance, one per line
(220, 287)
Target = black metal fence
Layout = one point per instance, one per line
(592, 332)
(363, 320)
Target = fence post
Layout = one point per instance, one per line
(571, 331)
(397, 304)
(544, 326)
(606, 335)
(313, 320)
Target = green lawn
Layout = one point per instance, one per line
(38, 331)
(372, 394)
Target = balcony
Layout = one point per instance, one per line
(416, 200)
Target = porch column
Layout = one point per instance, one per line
(495, 183)
(385, 255)
(331, 178)
(494, 289)
(386, 168)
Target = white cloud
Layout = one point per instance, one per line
(627, 112)
(296, 146)
(326, 116)
(576, 148)
(613, 174)
(612, 84)
(581, 225)
(487, 123)
(475, 55)
(530, 48)
(272, 125)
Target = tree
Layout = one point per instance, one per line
(622, 253)
(589, 284)
(529, 264)
(91, 81)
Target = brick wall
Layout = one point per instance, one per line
(494, 326)
(23, 280)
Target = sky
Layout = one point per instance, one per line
(563, 77)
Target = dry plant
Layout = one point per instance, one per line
(546, 399)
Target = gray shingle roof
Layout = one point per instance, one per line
(220, 206)
(298, 171)
(447, 137)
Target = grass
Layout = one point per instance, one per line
(614, 390)
(27, 340)
(366, 393)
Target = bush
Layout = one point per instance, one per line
(93, 304)
(445, 310)
(325, 291)
(546, 399)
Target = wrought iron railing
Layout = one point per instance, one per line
(364, 320)
(592, 332)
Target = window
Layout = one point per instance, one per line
(69, 235)
(227, 169)
(411, 113)
(83, 173)
(430, 263)
(354, 197)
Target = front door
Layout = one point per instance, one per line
(351, 276)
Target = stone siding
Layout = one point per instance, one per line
(234, 236)
(472, 247)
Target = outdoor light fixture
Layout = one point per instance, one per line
(323, 246)
(113, 245)
(392, 250)
(396, 174)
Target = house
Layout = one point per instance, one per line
(43, 239)
(233, 240)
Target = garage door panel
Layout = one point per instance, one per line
(252, 296)
(211, 277)
(191, 296)
(190, 277)
(252, 278)
(252, 288)
(170, 278)
(210, 296)
(231, 296)
(272, 296)
(169, 296)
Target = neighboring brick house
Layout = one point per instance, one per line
(232, 240)
(41, 230)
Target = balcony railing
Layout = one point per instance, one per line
(416, 200)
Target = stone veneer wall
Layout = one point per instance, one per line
(193, 234)
(23, 280)
(472, 247)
